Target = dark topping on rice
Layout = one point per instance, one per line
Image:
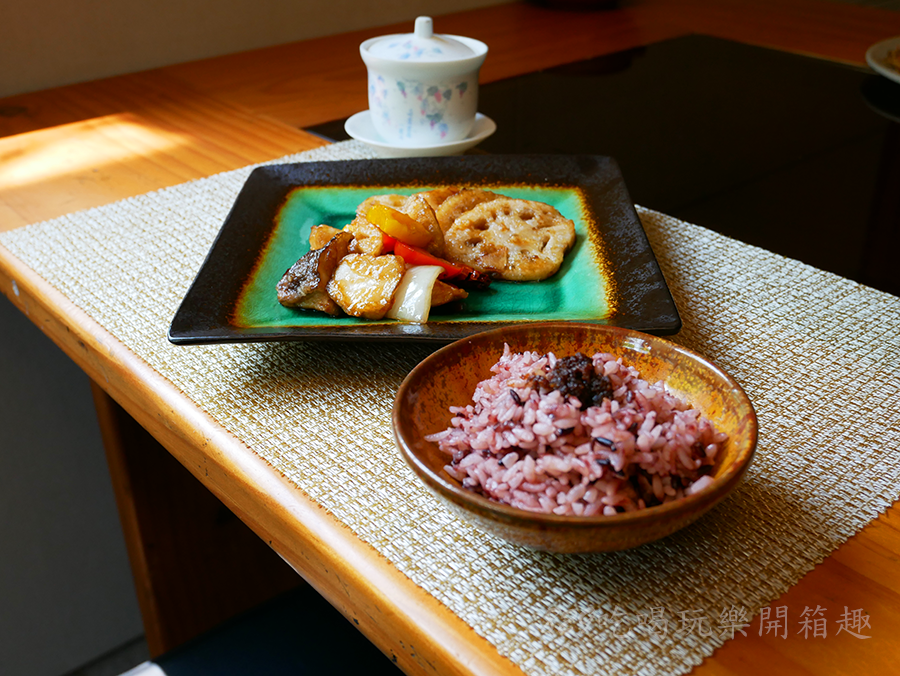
(576, 376)
(644, 489)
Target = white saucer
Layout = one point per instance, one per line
(876, 57)
(360, 127)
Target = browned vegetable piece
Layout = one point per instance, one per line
(320, 235)
(518, 240)
(443, 293)
(455, 205)
(393, 201)
(305, 283)
(367, 238)
(418, 208)
(437, 196)
(364, 285)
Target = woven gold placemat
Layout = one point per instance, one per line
(818, 355)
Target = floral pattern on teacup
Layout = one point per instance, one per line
(433, 101)
(409, 110)
(406, 50)
(377, 92)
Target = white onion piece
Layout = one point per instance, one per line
(412, 299)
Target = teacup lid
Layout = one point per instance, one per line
(422, 45)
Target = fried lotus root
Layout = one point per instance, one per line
(364, 285)
(320, 235)
(305, 283)
(518, 240)
(438, 196)
(367, 238)
(418, 208)
(393, 201)
(454, 205)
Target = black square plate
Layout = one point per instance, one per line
(610, 276)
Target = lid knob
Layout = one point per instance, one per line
(424, 27)
(423, 45)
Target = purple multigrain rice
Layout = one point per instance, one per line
(524, 445)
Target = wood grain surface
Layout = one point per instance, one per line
(90, 144)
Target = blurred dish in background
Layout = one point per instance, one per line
(884, 58)
(882, 96)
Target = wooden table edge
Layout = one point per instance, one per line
(397, 615)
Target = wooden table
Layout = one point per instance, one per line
(94, 143)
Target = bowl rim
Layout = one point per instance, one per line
(702, 499)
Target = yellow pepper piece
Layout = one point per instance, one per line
(399, 225)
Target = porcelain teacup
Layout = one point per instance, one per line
(423, 87)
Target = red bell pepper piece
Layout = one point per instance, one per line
(417, 256)
(387, 242)
(461, 275)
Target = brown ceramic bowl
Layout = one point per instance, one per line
(448, 378)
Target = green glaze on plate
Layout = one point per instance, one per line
(577, 291)
(609, 277)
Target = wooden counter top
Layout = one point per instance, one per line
(90, 144)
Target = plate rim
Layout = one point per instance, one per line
(198, 321)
